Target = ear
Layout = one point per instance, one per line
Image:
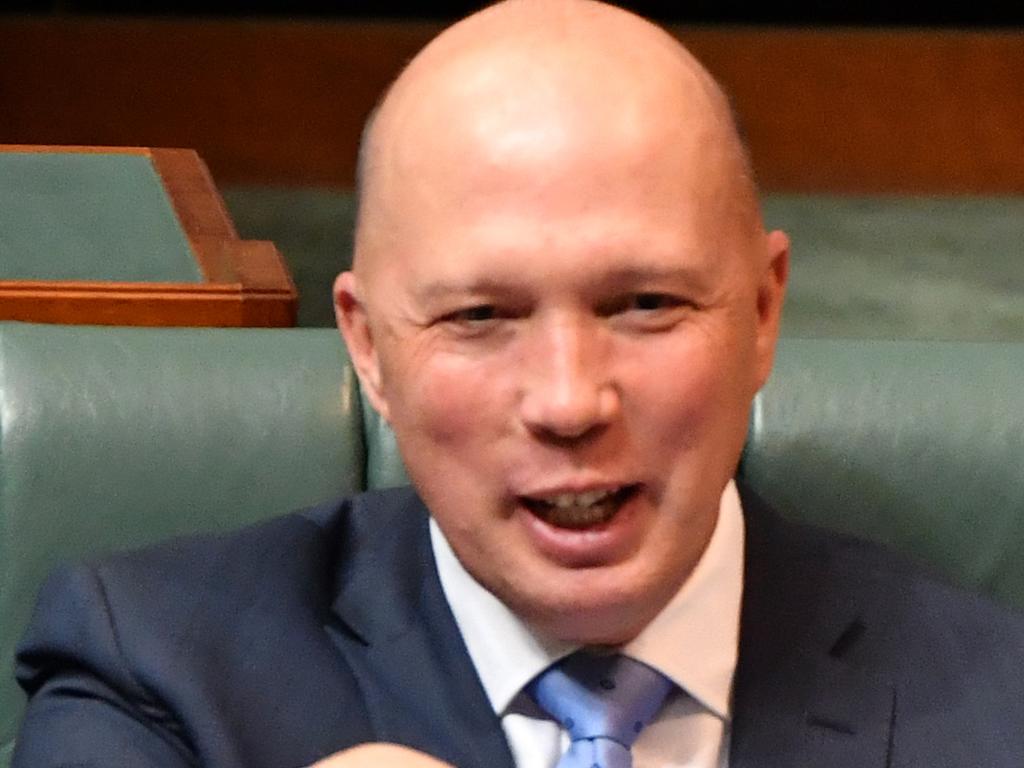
(356, 330)
(771, 290)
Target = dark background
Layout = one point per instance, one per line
(930, 13)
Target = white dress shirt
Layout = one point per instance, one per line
(693, 641)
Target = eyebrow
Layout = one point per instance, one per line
(634, 274)
(625, 274)
(436, 289)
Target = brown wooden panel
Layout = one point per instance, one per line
(246, 282)
(877, 110)
(283, 102)
(141, 304)
(260, 101)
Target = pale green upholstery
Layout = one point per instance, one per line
(112, 437)
(916, 444)
(91, 216)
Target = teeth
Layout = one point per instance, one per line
(566, 500)
(577, 510)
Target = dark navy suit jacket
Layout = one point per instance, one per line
(290, 640)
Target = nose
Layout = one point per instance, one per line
(567, 392)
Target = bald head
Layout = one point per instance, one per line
(526, 86)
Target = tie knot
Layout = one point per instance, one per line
(601, 696)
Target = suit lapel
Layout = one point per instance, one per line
(815, 714)
(797, 700)
(393, 625)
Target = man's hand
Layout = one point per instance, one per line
(380, 756)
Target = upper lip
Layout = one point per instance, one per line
(575, 488)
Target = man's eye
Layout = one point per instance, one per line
(475, 314)
(479, 321)
(646, 302)
(647, 310)
(651, 301)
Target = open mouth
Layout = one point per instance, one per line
(579, 510)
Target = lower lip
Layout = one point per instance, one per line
(601, 544)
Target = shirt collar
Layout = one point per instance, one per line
(693, 640)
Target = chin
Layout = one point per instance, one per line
(593, 629)
(586, 620)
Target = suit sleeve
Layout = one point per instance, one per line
(86, 709)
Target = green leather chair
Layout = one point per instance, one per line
(115, 437)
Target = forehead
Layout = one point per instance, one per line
(518, 149)
(620, 203)
(542, 252)
(509, 105)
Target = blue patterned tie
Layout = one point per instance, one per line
(603, 702)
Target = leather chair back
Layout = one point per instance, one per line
(114, 437)
(915, 444)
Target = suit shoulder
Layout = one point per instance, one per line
(207, 639)
(275, 545)
(914, 591)
(190, 598)
(909, 608)
(293, 557)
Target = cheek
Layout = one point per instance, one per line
(691, 390)
(449, 418)
(449, 401)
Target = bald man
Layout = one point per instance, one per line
(563, 301)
